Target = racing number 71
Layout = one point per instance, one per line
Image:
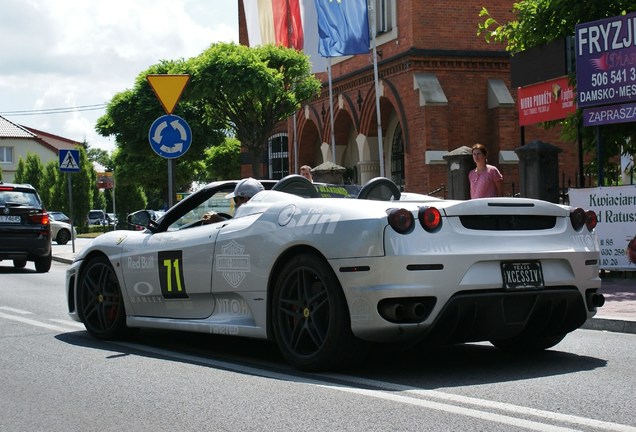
(171, 275)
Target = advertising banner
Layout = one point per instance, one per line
(549, 100)
(610, 114)
(606, 61)
(616, 211)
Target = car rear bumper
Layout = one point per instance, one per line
(461, 298)
(24, 247)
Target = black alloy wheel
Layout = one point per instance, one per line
(310, 317)
(100, 303)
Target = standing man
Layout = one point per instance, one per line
(305, 171)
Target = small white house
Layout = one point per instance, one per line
(16, 141)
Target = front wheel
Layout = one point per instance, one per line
(100, 303)
(310, 317)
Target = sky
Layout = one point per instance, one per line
(75, 55)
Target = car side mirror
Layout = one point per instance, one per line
(140, 218)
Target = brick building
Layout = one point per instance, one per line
(441, 87)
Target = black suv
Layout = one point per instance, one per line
(25, 231)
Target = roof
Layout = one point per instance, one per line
(56, 141)
(9, 129)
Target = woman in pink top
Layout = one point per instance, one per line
(485, 181)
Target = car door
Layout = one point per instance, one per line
(169, 273)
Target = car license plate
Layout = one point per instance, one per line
(10, 219)
(522, 275)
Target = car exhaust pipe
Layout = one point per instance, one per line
(595, 300)
(417, 311)
(394, 312)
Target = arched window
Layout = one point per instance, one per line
(397, 158)
(278, 155)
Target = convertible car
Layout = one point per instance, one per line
(327, 270)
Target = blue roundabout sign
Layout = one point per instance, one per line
(170, 136)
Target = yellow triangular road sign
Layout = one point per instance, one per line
(168, 89)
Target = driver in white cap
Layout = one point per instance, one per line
(244, 190)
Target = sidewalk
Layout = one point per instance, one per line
(617, 315)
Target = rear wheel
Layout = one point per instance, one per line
(19, 263)
(101, 306)
(43, 264)
(526, 344)
(63, 236)
(310, 318)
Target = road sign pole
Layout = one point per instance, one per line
(170, 188)
(70, 205)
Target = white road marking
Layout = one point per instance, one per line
(419, 394)
(34, 323)
(70, 323)
(515, 409)
(546, 423)
(14, 310)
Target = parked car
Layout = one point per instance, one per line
(59, 216)
(25, 230)
(112, 219)
(61, 232)
(325, 277)
(100, 217)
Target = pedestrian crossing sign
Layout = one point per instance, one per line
(69, 160)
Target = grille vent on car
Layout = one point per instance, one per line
(508, 222)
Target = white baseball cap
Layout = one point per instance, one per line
(246, 188)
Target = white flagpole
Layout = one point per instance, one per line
(333, 133)
(295, 146)
(377, 90)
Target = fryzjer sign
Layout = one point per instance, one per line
(606, 61)
(550, 100)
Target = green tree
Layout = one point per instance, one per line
(223, 161)
(100, 156)
(250, 90)
(30, 171)
(128, 118)
(49, 180)
(541, 21)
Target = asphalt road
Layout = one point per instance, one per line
(54, 377)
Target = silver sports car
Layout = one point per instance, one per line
(325, 270)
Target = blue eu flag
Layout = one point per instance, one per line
(343, 27)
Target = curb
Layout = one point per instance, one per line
(611, 325)
(62, 260)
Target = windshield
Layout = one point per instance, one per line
(216, 202)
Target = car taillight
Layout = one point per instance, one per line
(577, 218)
(430, 218)
(590, 220)
(401, 220)
(39, 218)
